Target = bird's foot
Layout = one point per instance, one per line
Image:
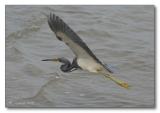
(120, 82)
(124, 85)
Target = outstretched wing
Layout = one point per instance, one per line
(66, 34)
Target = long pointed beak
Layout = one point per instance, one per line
(55, 60)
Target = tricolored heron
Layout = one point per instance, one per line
(84, 57)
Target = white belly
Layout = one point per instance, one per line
(89, 65)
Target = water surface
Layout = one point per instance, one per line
(122, 36)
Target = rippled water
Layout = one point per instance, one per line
(122, 36)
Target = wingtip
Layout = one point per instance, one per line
(51, 15)
(51, 21)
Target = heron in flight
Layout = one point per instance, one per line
(84, 57)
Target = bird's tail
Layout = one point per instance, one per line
(117, 81)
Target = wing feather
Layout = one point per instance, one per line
(66, 34)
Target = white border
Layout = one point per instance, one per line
(69, 2)
(108, 2)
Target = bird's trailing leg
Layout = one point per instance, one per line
(117, 81)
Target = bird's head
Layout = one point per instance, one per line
(66, 65)
(62, 60)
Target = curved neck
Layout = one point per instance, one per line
(67, 66)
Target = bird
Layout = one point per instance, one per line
(84, 58)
